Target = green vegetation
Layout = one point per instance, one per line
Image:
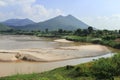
(101, 69)
(3, 27)
(96, 40)
(104, 37)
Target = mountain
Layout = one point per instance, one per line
(60, 22)
(17, 22)
(4, 27)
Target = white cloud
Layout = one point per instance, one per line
(103, 22)
(27, 9)
(2, 3)
(16, 2)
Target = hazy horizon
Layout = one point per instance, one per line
(102, 14)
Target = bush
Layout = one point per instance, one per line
(101, 69)
(69, 67)
(82, 70)
(76, 38)
(116, 60)
(96, 41)
(104, 68)
(109, 37)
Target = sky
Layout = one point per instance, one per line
(101, 14)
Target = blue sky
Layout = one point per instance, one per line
(84, 7)
(102, 14)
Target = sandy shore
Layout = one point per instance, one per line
(53, 54)
(63, 40)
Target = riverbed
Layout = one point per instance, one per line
(28, 43)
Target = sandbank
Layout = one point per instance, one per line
(53, 54)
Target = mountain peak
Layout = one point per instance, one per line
(68, 22)
(60, 16)
(69, 15)
(27, 19)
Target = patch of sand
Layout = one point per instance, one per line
(53, 54)
(63, 40)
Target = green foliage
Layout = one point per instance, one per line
(81, 71)
(90, 29)
(104, 69)
(110, 42)
(76, 38)
(69, 67)
(109, 37)
(4, 27)
(96, 40)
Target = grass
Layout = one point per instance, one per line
(56, 74)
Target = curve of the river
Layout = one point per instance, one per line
(25, 42)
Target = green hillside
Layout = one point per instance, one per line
(4, 27)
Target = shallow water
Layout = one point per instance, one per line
(25, 42)
(12, 68)
(11, 42)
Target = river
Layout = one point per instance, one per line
(24, 42)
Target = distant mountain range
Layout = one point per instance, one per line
(17, 22)
(60, 22)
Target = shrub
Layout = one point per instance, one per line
(104, 68)
(69, 67)
(96, 40)
(109, 37)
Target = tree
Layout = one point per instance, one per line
(46, 30)
(85, 32)
(78, 32)
(60, 31)
(90, 29)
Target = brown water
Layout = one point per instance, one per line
(12, 68)
(24, 42)
(11, 42)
